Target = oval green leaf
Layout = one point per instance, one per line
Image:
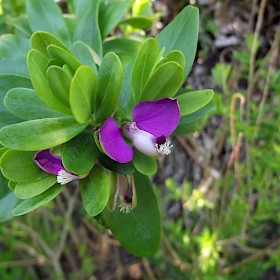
(27, 190)
(37, 66)
(138, 22)
(7, 203)
(40, 40)
(47, 16)
(144, 164)
(139, 231)
(82, 93)
(19, 166)
(165, 81)
(87, 26)
(95, 190)
(192, 101)
(145, 60)
(59, 81)
(109, 86)
(33, 203)
(40, 134)
(86, 55)
(63, 56)
(182, 34)
(25, 104)
(176, 56)
(80, 153)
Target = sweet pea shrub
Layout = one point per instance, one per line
(95, 106)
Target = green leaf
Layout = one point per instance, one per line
(33, 203)
(85, 54)
(40, 40)
(8, 66)
(165, 81)
(19, 166)
(82, 93)
(25, 104)
(40, 134)
(126, 101)
(4, 189)
(3, 150)
(146, 59)
(125, 48)
(7, 203)
(95, 190)
(192, 101)
(122, 168)
(176, 56)
(110, 13)
(109, 86)
(14, 47)
(12, 185)
(184, 129)
(27, 190)
(87, 27)
(80, 153)
(37, 66)
(64, 56)
(197, 114)
(21, 25)
(182, 34)
(138, 22)
(6, 83)
(144, 164)
(139, 231)
(59, 81)
(47, 16)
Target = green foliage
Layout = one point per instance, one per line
(82, 93)
(182, 34)
(141, 235)
(95, 190)
(109, 87)
(33, 203)
(40, 134)
(18, 101)
(80, 154)
(22, 162)
(76, 78)
(144, 164)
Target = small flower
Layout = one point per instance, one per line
(53, 164)
(125, 196)
(153, 122)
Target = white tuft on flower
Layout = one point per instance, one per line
(64, 177)
(164, 149)
(125, 207)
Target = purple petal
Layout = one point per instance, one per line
(113, 143)
(48, 162)
(158, 117)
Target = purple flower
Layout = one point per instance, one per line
(153, 122)
(53, 164)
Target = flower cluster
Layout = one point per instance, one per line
(148, 131)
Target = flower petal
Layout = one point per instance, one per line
(144, 141)
(48, 162)
(158, 117)
(113, 143)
